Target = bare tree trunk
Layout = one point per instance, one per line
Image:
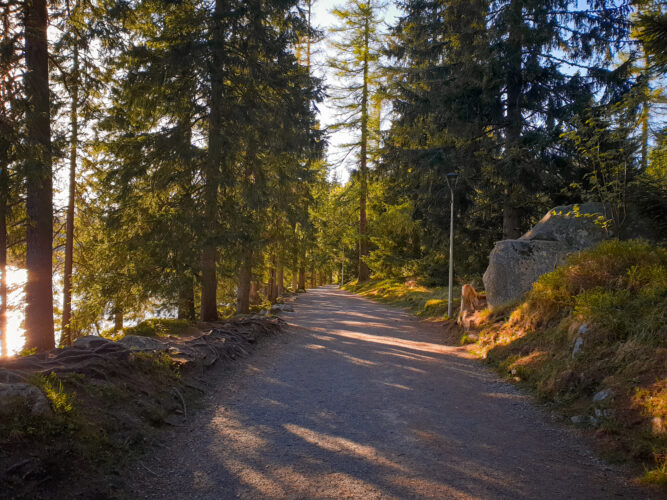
(39, 196)
(209, 280)
(294, 279)
(280, 279)
(272, 280)
(243, 290)
(511, 222)
(512, 212)
(66, 335)
(302, 278)
(118, 319)
(313, 277)
(254, 291)
(4, 194)
(645, 115)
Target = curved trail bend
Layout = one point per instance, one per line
(361, 401)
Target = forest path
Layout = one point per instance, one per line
(358, 400)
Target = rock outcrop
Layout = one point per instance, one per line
(514, 265)
(26, 395)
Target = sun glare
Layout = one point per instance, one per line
(16, 280)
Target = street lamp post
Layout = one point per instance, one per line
(452, 179)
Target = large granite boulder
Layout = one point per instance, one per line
(514, 265)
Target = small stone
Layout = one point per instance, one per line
(35, 399)
(281, 308)
(579, 419)
(603, 395)
(578, 347)
(583, 329)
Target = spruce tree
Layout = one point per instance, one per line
(357, 42)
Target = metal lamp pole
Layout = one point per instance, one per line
(452, 179)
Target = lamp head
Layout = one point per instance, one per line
(452, 179)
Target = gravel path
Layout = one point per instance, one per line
(358, 400)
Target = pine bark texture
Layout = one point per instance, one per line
(66, 338)
(209, 281)
(39, 233)
(511, 211)
(4, 194)
(243, 290)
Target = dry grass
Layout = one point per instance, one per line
(614, 298)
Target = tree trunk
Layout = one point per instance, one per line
(254, 291)
(512, 212)
(38, 171)
(280, 279)
(363, 168)
(117, 319)
(186, 300)
(313, 277)
(66, 335)
(209, 280)
(243, 290)
(4, 195)
(294, 279)
(511, 222)
(272, 280)
(645, 115)
(302, 278)
(209, 284)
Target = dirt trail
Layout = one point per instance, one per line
(358, 400)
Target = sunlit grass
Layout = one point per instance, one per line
(427, 303)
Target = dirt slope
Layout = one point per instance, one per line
(361, 401)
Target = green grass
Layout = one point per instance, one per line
(427, 303)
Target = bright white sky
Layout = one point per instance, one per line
(323, 20)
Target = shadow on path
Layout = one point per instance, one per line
(363, 401)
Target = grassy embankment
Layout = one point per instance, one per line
(612, 302)
(427, 303)
(101, 417)
(96, 426)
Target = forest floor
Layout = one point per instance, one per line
(358, 400)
